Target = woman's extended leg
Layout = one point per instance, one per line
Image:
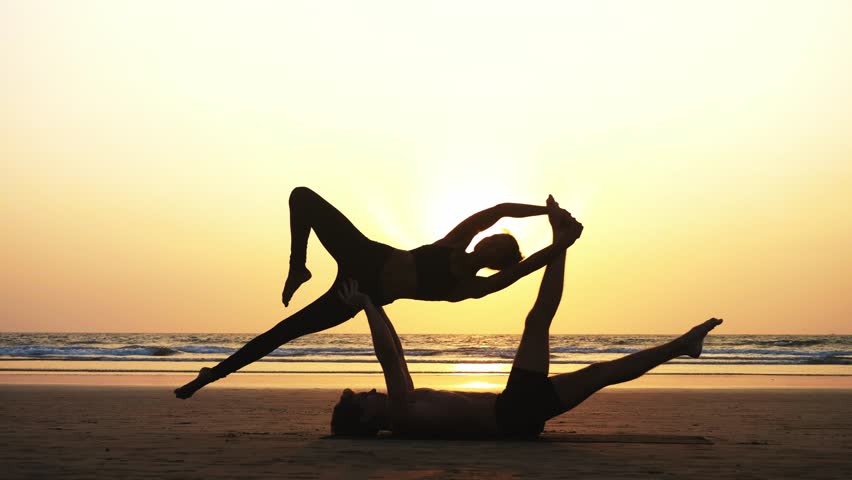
(575, 387)
(337, 234)
(325, 312)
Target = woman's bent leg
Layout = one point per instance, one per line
(337, 234)
(326, 312)
(573, 388)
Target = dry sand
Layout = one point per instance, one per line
(135, 432)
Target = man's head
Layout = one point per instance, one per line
(361, 414)
(498, 251)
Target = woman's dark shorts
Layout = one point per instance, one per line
(527, 402)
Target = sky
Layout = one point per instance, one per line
(147, 151)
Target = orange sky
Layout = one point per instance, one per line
(148, 148)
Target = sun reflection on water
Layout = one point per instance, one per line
(480, 368)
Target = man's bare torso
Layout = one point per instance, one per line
(442, 412)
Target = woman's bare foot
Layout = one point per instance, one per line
(205, 376)
(295, 278)
(694, 339)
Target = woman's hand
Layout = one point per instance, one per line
(568, 230)
(350, 295)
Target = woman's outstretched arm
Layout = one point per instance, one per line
(565, 236)
(464, 232)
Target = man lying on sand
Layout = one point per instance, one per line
(530, 397)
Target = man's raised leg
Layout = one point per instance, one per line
(575, 387)
(533, 353)
(534, 350)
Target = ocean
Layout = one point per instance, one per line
(327, 354)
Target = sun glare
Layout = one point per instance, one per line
(478, 386)
(158, 141)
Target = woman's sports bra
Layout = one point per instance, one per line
(435, 281)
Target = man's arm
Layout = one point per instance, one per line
(393, 364)
(399, 349)
(464, 232)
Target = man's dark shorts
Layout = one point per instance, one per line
(527, 402)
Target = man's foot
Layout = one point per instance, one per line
(694, 339)
(295, 278)
(205, 376)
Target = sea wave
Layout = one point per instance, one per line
(423, 349)
(73, 352)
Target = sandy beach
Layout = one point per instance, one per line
(78, 431)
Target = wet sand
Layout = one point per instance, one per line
(116, 431)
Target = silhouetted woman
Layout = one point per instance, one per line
(442, 270)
